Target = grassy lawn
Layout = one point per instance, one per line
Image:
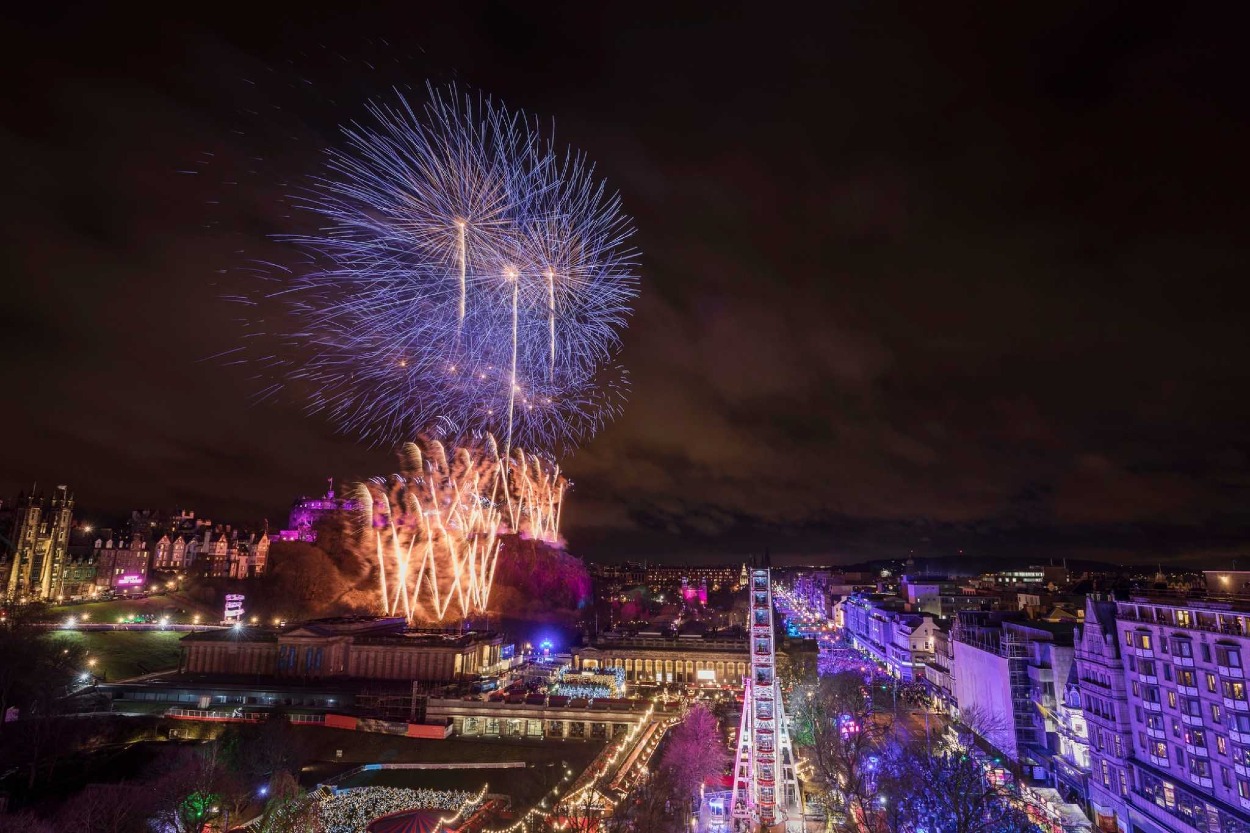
(178, 608)
(122, 654)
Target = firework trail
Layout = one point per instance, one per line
(464, 278)
(436, 527)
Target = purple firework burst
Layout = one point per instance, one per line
(465, 277)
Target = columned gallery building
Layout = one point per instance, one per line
(349, 648)
(655, 659)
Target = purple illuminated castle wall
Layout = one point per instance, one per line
(307, 512)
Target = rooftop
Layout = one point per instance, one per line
(240, 634)
(1199, 601)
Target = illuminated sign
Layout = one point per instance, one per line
(129, 579)
(234, 606)
(706, 674)
(507, 651)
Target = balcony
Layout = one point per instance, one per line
(1156, 734)
(1162, 816)
(1197, 751)
(1144, 653)
(1148, 678)
(1183, 662)
(1188, 690)
(1191, 719)
(1242, 770)
(1162, 763)
(1231, 671)
(1151, 707)
(1200, 780)
(1090, 681)
(1239, 737)
(1236, 705)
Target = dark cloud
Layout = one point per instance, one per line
(916, 280)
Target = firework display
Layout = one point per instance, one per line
(465, 277)
(436, 527)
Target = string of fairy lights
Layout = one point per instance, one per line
(353, 810)
(611, 683)
(590, 789)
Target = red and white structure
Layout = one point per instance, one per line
(765, 792)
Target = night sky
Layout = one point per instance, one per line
(921, 281)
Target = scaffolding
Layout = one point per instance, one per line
(765, 790)
(1018, 652)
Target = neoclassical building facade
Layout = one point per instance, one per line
(659, 660)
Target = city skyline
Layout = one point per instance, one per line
(912, 285)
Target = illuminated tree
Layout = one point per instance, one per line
(695, 751)
(950, 792)
(289, 808)
(844, 739)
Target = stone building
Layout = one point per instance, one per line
(1008, 679)
(658, 660)
(177, 554)
(122, 568)
(221, 553)
(1187, 761)
(308, 512)
(347, 648)
(39, 545)
(903, 642)
(1104, 705)
(1071, 760)
(78, 577)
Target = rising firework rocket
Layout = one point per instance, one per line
(436, 527)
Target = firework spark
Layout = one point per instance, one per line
(436, 528)
(465, 278)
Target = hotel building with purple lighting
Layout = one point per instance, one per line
(1170, 745)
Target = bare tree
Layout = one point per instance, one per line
(845, 740)
(106, 808)
(183, 789)
(652, 805)
(993, 727)
(25, 823)
(949, 792)
(584, 812)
